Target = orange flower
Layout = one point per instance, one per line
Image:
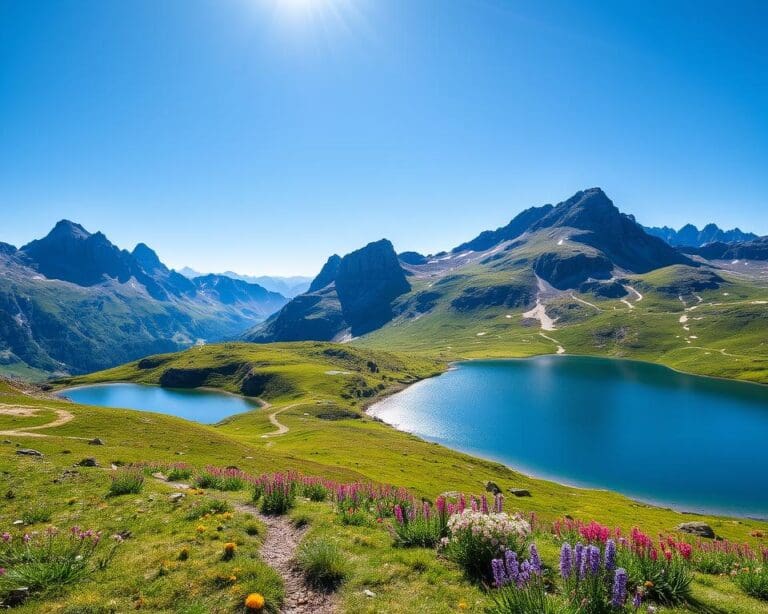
(255, 602)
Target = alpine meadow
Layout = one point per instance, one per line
(316, 307)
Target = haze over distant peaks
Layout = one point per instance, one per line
(691, 236)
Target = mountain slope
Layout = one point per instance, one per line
(350, 296)
(74, 302)
(582, 277)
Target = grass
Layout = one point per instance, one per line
(147, 571)
(126, 482)
(323, 563)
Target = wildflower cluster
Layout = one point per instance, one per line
(49, 559)
(277, 492)
(476, 537)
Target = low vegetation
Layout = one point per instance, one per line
(174, 557)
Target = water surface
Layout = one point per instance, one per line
(690, 442)
(206, 406)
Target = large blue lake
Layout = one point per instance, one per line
(689, 442)
(204, 406)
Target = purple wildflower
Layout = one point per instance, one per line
(484, 504)
(513, 566)
(610, 555)
(579, 560)
(500, 577)
(399, 514)
(637, 600)
(566, 561)
(535, 560)
(619, 594)
(593, 553)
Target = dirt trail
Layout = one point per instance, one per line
(62, 417)
(278, 551)
(281, 428)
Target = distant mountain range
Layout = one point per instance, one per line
(74, 302)
(287, 286)
(690, 236)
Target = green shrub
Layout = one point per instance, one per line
(666, 581)
(178, 473)
(252, 529)
(229, 479)
(36, 515)
(323, 564)
(753, 581)
(314, 491)
(208, 506)
(126, 481)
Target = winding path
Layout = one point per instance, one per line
(62, 417)
(281, 428)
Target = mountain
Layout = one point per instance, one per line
(691, 236)
(287, 286)
(73, 302)
(756, 249)
(519, 224)
(350, 296)
(574, 262)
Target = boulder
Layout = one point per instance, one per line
(520, 492)
(28, 452)
(95, 442)
(88, 462)
(492, 487)
(176, 497)
(700, 529)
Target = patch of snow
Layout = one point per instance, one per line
(481, 334)
(334, 372)
(508, 316)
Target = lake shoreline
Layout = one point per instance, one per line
(374, 410)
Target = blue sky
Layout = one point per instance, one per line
(264, 135)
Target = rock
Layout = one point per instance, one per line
(492, 487)
(451, 494)
(7, 441)
(88, 462)
(17, 596)
(95, 442)
(520, 492)
(28, 452)
(700, 529)
(159, 475)
(18, 523)
(369, 593)
(176, 497)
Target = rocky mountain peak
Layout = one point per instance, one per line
(327, 274)
(148, 259)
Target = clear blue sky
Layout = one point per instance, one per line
(264, 135)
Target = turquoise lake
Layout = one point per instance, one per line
(687, 442)
(204, 406)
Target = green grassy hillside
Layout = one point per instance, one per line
(317, 391)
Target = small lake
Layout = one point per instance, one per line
(692, 443)
(206, 406)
